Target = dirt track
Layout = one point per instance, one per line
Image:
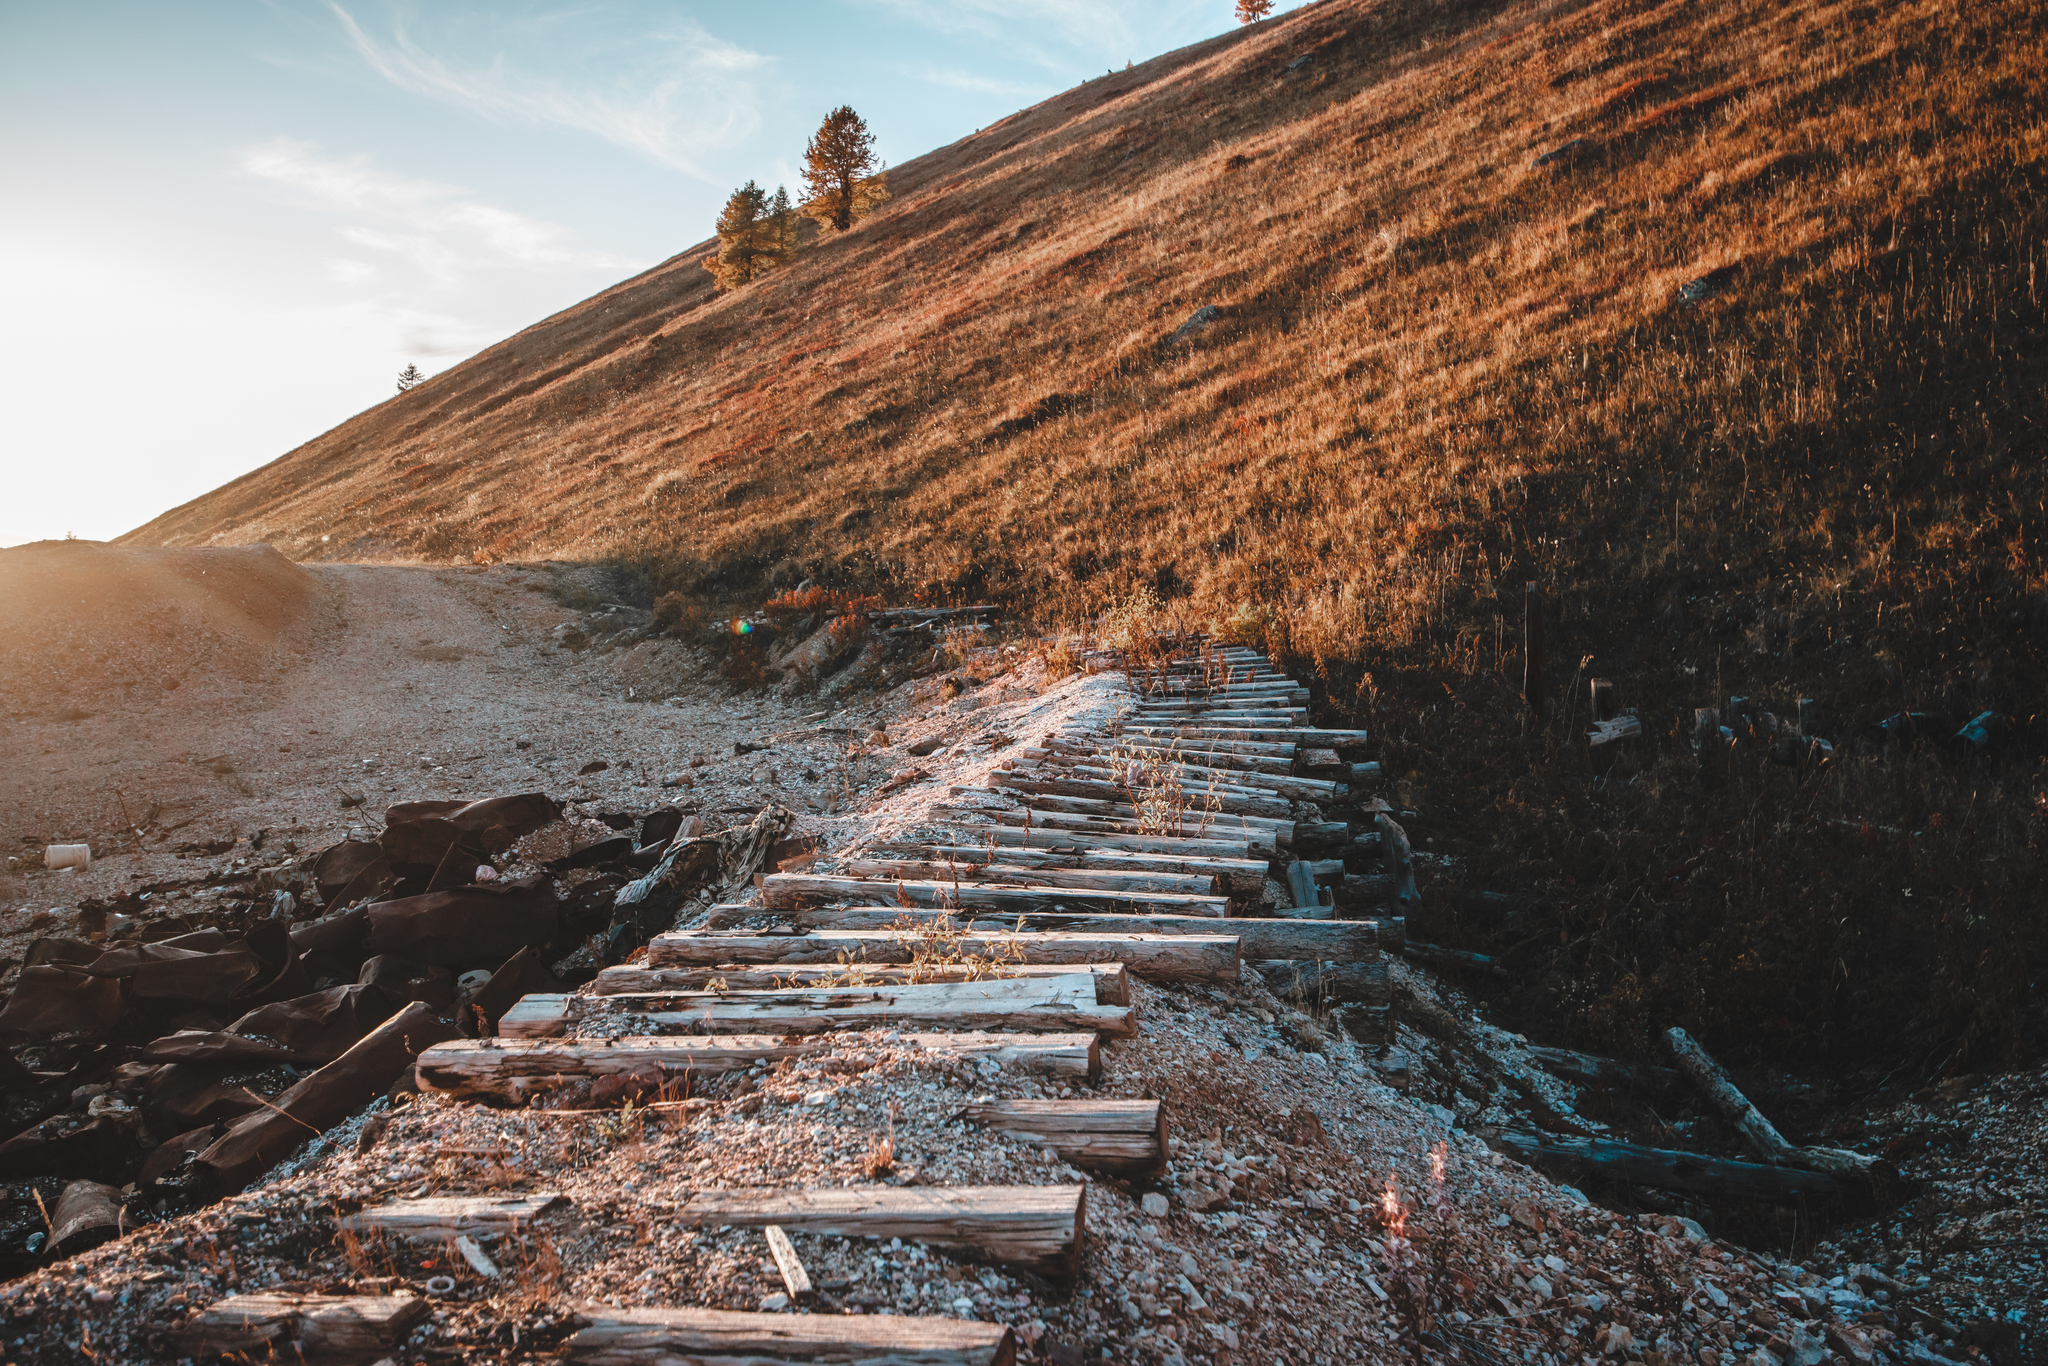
(294, 683)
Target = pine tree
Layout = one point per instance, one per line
(843, 180)
(1251, 11)
(783, 225)
(744, 250)
(410, 377)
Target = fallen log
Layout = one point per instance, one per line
(1198, 780)
(1119, 1137)
(1300, 735)
(263, 1138)
(1588, 1069)
(1342, 941)
(1042, 1229)
(1045, 1005)
(790, 891)
(1112, 979)
(1207, 956)
(515, 1069)
(1600, 1159)
(1439, 957)
(358, 1327)
(718, 1337)
(440, 1218)
(1772, 1146)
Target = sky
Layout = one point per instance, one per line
(228, 224)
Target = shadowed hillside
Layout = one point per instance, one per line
(1747, 373)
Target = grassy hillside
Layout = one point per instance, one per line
(1436, 371)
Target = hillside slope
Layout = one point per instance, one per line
(1748, 373)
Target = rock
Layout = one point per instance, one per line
(1706, 286)
(678, 780)
(1154, 1204)
(350, 797)
(522, 744)
(774, 1304)
(1197, 321)
(1851, 1343)
(570, 637)
(594, 766)
(1616, 1339)
(1564, 155)
(931, 744)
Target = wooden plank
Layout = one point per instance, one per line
(1045, 1005)
(1338, 941)
(788, 891)
(1200, 780)
(1079, 833)
(1112, 980)
(1209, 954)
(515, 1069)
(1198, 822)
(1301, 735)
(1119, 1137)
(795, 1279)
(1089, 879)
(1105, 790)
(321, 1325)
(1239, 876)
(440, 1218)
(1042, 1229)
(719, 1337)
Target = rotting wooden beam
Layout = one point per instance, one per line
(516, 1069)
(1340, 941)
(998, 873)
(1209, 954)
(1240, 876)
(1118, 1137)
(1045, 1005)
(1112, 980)
(719, 1337)
(440, 1218)
(789, 891)
(1042, 1229)
(349, 1327)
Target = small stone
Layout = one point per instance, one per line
(774, 1304)
(818, 1098)
(594, 766)
(522, 744)
(1154, 1204)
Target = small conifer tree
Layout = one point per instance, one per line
(843, 181)
(1251, 11)
(744, 249)
(410, 377)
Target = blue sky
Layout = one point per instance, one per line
(228, 225)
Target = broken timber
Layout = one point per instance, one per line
(1061, 1004)
(439, 1218)
(1040, 1228)
(515, 1069)
(1207, 955)
(719, 1337)
(1119, 1137)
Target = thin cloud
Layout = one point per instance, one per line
(432, 227)
(980, 85)
(687, 90)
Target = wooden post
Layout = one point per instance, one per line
(1600, 697)
(1532, 648)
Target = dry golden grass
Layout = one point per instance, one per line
(1436, 373)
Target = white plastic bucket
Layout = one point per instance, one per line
(77, 856)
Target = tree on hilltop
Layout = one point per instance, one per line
(842, 178)
(1251, 11)
(410, 377)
